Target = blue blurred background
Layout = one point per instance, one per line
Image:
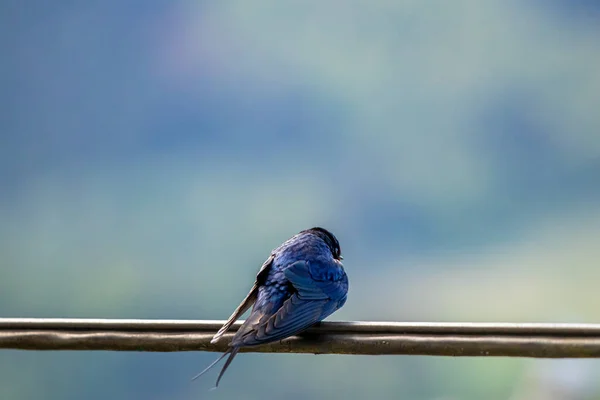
(153, 153)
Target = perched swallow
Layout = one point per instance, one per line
(301, 283)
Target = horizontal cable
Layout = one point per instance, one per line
(375, 338)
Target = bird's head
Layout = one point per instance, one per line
(330, 240)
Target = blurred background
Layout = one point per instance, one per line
(153, 153)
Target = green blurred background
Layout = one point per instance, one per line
(153, 153)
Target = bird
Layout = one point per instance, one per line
(301, 283)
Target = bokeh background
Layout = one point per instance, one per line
(153, 153)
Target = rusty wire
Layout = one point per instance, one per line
(375, 338)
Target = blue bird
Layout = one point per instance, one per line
(301, 283)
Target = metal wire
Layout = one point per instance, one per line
(377, 338)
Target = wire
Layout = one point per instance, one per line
(375, 338)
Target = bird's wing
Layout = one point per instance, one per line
(315, 281)
(248, 300)
(313, 301)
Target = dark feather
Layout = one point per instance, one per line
(247, 302)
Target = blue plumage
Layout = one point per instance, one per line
(301, 283)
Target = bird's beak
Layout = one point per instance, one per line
(341, 257)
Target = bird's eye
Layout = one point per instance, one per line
(338, 253)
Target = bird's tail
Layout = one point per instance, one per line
(232, 353)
